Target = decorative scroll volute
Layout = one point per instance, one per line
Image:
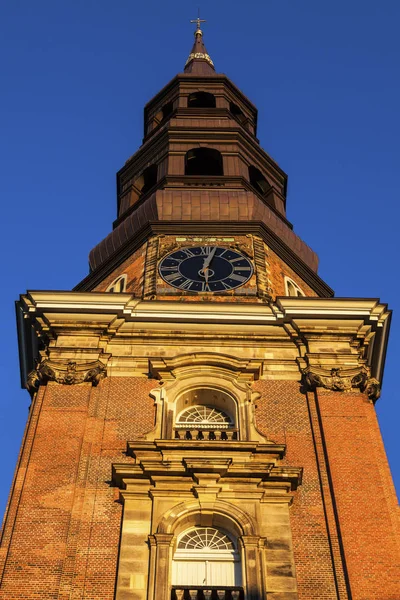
(342, 380)
(67, 373)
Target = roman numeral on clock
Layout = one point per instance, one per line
(187, 252)
(206, 250)
(236, 277)
(186, 285)
(171, 277)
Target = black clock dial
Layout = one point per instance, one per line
(205, 269)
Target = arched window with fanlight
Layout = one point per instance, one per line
(206, 414)
(292, 289)
(118, 285)
(206, 556)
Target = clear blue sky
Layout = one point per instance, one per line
(75, 75)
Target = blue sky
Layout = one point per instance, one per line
(75, 76)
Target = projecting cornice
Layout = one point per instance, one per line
(286, 337)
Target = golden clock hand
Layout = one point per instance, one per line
(209, 258)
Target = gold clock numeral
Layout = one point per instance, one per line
(171, 277)
(206, 250)
(205, 287)
(186, 285)
(188, 252)
(236, 277)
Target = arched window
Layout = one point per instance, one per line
(206, 414)
(118, 285)
(149, 176)
(237, 112)
(143, 183)
(206, 556)
(292, 289)
(164, 113)
(258, 180)
(201, 100)
(203, 161)
(166, 110)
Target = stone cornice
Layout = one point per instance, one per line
(307, 327)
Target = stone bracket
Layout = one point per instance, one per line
(342, 380)
(67, 373)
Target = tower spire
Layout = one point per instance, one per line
(199, 61)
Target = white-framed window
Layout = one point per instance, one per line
(118, 285)
(206, 414)
(203, 416)
(292, 289)
(206, 556)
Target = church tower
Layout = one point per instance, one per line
(202, 424)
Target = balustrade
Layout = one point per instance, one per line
(192, 592)
(211, 435)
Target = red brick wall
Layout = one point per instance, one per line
(134, 269)
(364, 493)
(277, 269)
(66, 502)
(64, 535)
(335, 438)
(282, 415)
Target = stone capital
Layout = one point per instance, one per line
(67, 373)
(342, 380)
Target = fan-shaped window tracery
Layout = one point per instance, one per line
(206, 539)
(203, 416)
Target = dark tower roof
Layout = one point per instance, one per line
(199, 61)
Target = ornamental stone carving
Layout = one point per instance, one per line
(67, 373)
(342, 380)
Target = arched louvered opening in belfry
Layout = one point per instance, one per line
(206, 556)
(118, 285)
(164, 113)
(201, 100)
(237, 112)
(203, 161)
(258, 180)
(149, 178)
(142, 184)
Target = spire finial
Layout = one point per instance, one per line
(199, 60)
(198, 22)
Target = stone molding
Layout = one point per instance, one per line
(67, 373)
(342, 380)
(199, 467)
(165, 368)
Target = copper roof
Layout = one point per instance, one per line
(199, 61)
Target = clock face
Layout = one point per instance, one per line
(205, 269)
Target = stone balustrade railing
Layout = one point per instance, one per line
(188, 592)
(229, 435)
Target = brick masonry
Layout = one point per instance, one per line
(61, 532)
(65, 516)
